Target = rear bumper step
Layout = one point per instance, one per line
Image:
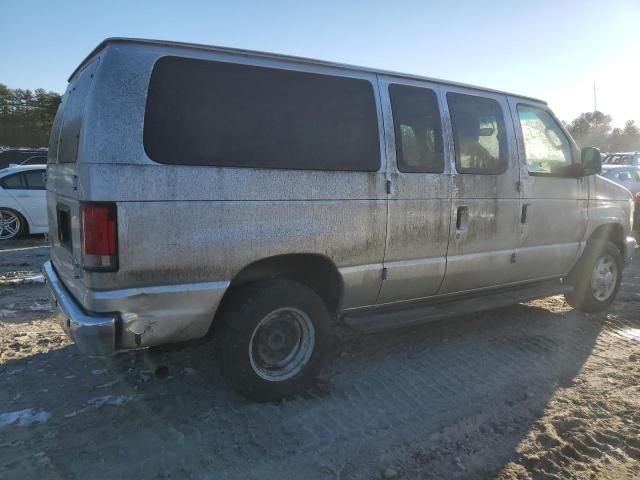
(93, 334)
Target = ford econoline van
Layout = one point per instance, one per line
(198, 191)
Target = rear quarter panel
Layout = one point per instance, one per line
(181, 224)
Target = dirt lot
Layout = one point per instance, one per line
(530, 391)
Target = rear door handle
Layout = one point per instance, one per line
(462, 218)
(523, 215)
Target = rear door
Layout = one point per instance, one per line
(419, 190)
(483, 233)
(31, 196)
(62, 175)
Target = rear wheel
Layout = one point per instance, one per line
(596, 278)
(272, 339)
(12, 224)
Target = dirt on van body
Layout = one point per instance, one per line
(535, 390)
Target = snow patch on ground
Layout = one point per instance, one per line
(19, 279)
(24, 418)
(103, 401)
(40, 307)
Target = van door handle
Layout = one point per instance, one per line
(523, 215)
(462, 218)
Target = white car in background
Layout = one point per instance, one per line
(23, 201)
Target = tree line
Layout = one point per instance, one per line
(593, 129)
(26, 116)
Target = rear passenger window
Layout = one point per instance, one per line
(547, 148)
(418, 129)
(35, 180)
(479, 134)
(224, 114)
(13, 182)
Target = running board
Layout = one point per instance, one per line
(404, 315)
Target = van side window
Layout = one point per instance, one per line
(479, 134)
(418, 129)
(547, 148)
(203, 112)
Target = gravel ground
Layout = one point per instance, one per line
(535, 390)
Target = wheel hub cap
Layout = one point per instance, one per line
(9, 224)
(282, 344)
(604, 278)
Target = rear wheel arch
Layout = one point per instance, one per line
(314, 271)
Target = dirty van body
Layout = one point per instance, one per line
(197, 191)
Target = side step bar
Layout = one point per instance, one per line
(407, 314)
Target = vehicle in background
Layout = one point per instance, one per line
(22, 156)
(628, 177)
(23, 201)
(198, 191)
(629, 158)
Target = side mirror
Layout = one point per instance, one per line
(591, 161)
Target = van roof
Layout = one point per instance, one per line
(290, 58)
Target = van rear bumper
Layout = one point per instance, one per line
(93, 334)
(107, 321)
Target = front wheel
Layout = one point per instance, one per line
(272, 339)
(596, 278)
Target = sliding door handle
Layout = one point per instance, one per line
(462, 218)
(523, 215)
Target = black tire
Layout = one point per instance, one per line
(582, 297)
(282, 308)
(22, 223)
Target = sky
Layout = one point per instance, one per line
(551, 49)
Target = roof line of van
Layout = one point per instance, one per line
(291, 58)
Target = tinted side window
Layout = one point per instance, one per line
(214, 113)
(479, 134)
(547, 148)
(13, 182)
(35, 180)
(418, 129)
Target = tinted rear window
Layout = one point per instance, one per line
(71, 109)
(214, 113)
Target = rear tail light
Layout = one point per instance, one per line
(99, 237)
(638, 197)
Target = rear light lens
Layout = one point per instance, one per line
(638, 197)
(99, 237)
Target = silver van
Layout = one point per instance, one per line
(198, 191)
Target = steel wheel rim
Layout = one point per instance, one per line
(9, 224)
(281, 345)
(604, 278)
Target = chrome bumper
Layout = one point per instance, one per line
(93, 334)
(629, 247)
